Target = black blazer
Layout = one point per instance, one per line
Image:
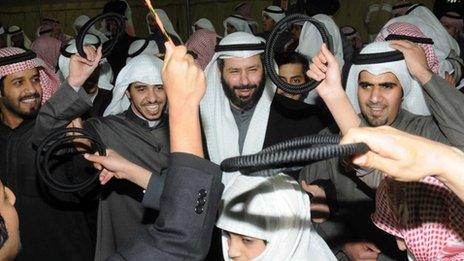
(188, 208)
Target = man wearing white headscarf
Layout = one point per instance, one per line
(80, 21)
(386, 87)
(136, 127)
(142, 46)
(98, 85)
(17, 38)
(156, 33)
(449, 60)
(236, 23)
(203, 23)
(240, 114)
(274, 210)
(311, 40)
(271, 15)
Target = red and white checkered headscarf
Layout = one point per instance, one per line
(411, 30)
(48, 79)
(202, 43)
(426, 214)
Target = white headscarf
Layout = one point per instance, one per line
(12, 30)
(413, 97)
(240, 23)
(142, 46)
(274, 12)
(441, 45)
(166, 22)
(106, 74)
(204, 24)
(143, 68)
(80, 22)
(431, 20)
(311, 41)
(218, 121)
(276, 210)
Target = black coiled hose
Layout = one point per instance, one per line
(108, 45)
(281, 26)
(293, 152)
(52, 143)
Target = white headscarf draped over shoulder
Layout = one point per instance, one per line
(204, 23)
(276, 210)
(413, 97)
(431, 20)
(220, 128)
(143, 68)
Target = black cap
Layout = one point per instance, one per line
(115, 6)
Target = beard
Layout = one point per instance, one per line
(17, 111)
(244, 103)
(372, 120)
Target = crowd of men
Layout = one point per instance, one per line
(169, 112)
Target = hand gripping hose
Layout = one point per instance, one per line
(280, 28)
(52, 143)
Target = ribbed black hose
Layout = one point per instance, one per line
(291, 153)
(281, 26)
(108, 45)
(50, 144)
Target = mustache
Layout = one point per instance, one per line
(152, 103)
(29, 96)
(245, 87)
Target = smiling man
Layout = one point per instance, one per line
(384, 87)
(26, 117)
(135, 126)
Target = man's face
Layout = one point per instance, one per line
(22, 93)
(147, 101)
(231, 29)
(292, 73)
(452, 30)
(8, 212)
(268, 23)
(152, 23)
(244, 248)
(91, 84)
(243, 81)
(17, 40)
(296, 31)
(112, 26)
(379, 97)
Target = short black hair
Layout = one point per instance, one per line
(3, 232)
(291, 58)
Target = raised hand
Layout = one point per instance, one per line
(81, 68)
(415, 59)
(324, 67)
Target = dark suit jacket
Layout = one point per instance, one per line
(188, 208)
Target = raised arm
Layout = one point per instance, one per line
(70, 101)
(443, 100)
(325, 68)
